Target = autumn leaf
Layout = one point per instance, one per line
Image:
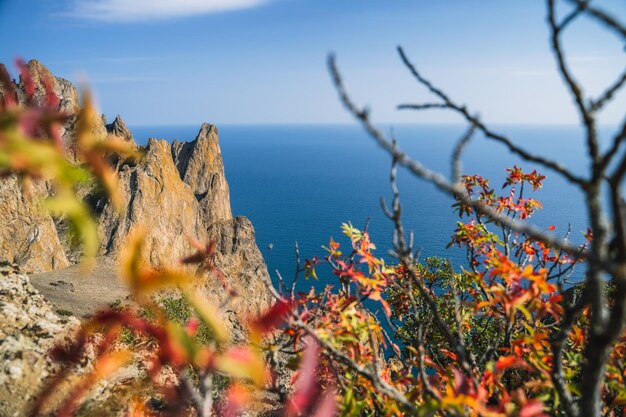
(209, 315)
(307, 386)
(273, 317)
(242, 362)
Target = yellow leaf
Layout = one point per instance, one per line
(82, 222)
(209, 315)
(130, 258)
(244, 363)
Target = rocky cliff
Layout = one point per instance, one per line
(177, 192)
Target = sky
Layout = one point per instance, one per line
(163, 62)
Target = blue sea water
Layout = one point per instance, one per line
(301, 182)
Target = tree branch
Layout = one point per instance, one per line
(568, 78)
(603, 17)
(464, 112)
(439, 181)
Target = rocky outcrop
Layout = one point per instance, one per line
(240, 259)
(155, 198)
(29, 328)
(28, 236)
(67, 94)
(118, 128)
(177, 192)
(201, 167)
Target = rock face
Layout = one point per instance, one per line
(118, 128)
(28, 235)
(155, 198)
(240, 259)
(179, 192)
(200, 166)
(176, 192)
(64, 90)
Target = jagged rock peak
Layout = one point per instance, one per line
(118, 128)
(206, 144)
(201, 166)
(67, 93)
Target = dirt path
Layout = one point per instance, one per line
(80, 292)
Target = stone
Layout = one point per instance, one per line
(68, 99)
(240, 259)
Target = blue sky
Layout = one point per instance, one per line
(264, 61)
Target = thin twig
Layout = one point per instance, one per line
(439, 181)
(465, 113)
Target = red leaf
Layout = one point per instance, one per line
(237, 397)
(505, 362)
(27, 79)
(328, 406)
(307, 390)
(192, 327)
(52, 100)
(533, 408)
(273, 317)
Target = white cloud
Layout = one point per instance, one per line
(141, 10)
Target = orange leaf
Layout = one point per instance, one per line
(244, 363)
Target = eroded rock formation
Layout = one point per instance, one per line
(28, 236)
(176, 192)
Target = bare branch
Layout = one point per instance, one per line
(297, 271)
(558, 378)
(426, 106)
(404, 254)
(572, 84)
(617, 142)
(382, 386)
(606, 97)
(458, 151)
(421, 362)
(439, 181)
(464, 112)
(603, 17)
(570, 17)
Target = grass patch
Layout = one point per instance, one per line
(179, 311)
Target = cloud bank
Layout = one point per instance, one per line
(142, 10)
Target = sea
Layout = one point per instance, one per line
(300, 183)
